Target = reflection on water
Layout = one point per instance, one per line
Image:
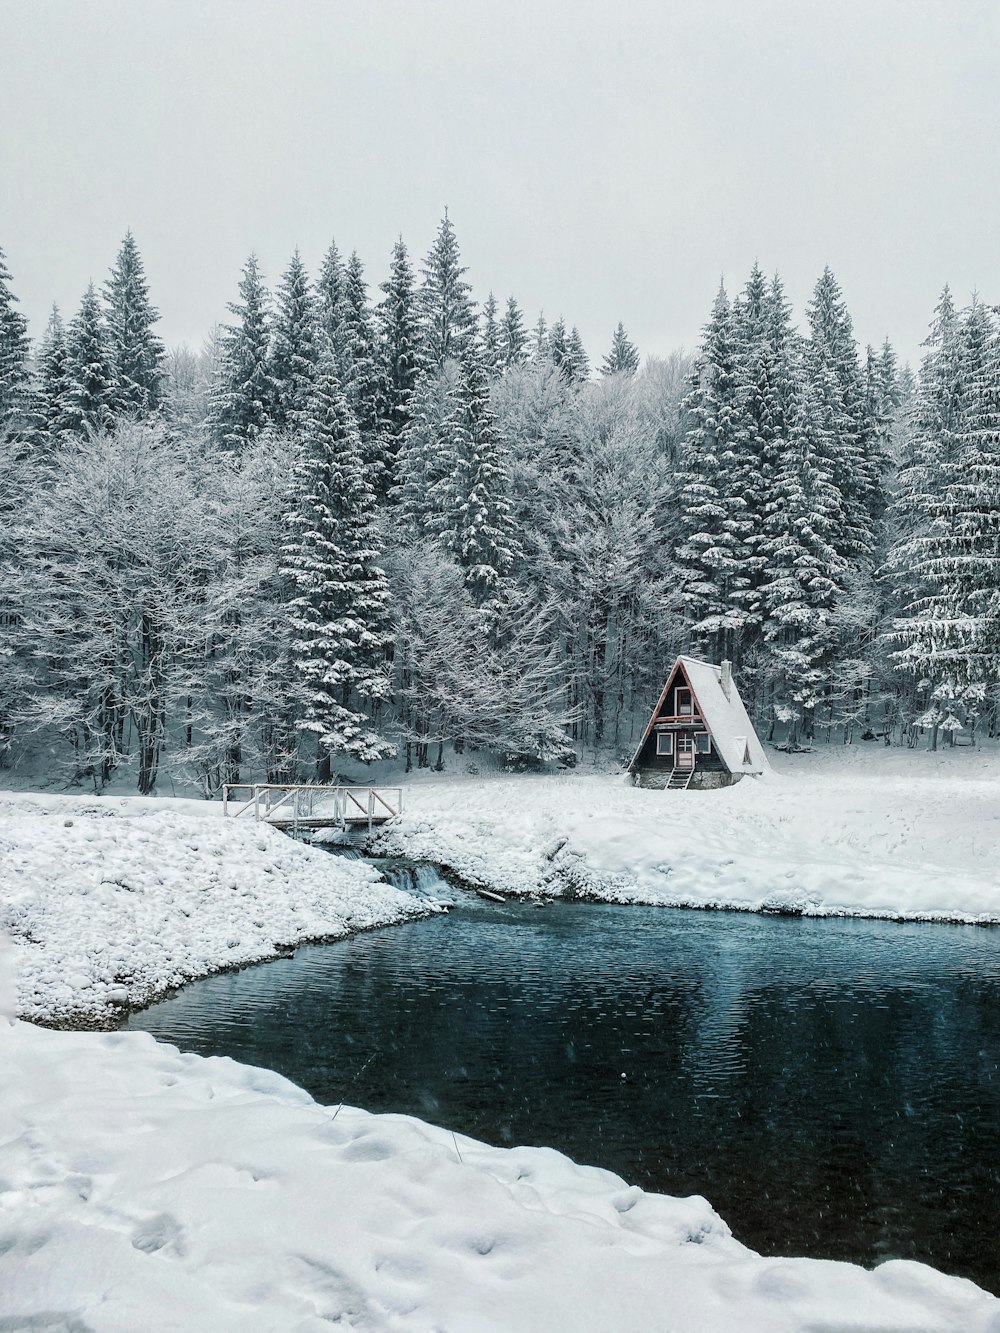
(831, 1086)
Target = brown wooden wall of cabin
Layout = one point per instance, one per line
(649, 759)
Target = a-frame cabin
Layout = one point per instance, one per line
(699, 734)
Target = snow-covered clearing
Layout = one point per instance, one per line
(144, 1189)
(862, 830)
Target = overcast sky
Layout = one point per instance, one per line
(603, 161)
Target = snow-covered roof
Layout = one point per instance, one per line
(732, 731)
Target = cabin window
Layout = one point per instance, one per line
(683, 705)
(664, 742)
(704, 743)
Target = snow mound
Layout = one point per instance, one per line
(145, 1189)
(113, 902)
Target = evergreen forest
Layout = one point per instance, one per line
(391, 522)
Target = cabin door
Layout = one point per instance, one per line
(685, 752)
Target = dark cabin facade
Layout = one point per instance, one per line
(699, 734)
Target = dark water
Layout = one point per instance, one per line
(831, 1086)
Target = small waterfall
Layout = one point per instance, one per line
(421, 878)
(418, 877)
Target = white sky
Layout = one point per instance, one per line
(605, 160)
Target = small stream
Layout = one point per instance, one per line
(832, 1086)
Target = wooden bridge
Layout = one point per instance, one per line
(312, 807)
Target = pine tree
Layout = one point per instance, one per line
(429, 453)
(491, 338)
(340, 593)
(446, 308)
(513, 337)
(15, 349)
(577, 362)
(90, 395)
(398, 339)
(540, 343)
(244, 392)
(295, 346)
(887, 375)
(951, 628)
(137, 353)
(557, 348)
(363, 385)
(332, 295)
(479, 534)
(623, 359)
(52, 376)
(710, 516)
(849, 436)
(801, 569)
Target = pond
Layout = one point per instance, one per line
(831, 1086)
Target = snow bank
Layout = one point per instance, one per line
(113, 901)
(865, 832)
(144, 1189)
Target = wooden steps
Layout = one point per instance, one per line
(680, 779)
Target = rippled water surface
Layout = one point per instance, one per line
(831, 1086)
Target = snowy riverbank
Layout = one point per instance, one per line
(147, 1189)
(861, 831)
(114, 900)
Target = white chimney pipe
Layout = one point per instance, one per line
(726, 679)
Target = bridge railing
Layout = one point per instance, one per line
(295, 804)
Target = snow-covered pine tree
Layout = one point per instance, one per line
(557, 349)
(540, 340)
(801, 572)
(577, 360)
(340, 594)
(363, 383)
(52, 381)
(887, 376)
(398, 341)
(857, 462)
(330, 289)
(710, 514)
(429, 453)
(88, 404)
(244, 391)
(763, 386)
(296, 346)
(478, 530)
(623, 359)
(137, 352)
(491, 344)
(951, 631)
(513, 336)
(15, 351)
(445, 306)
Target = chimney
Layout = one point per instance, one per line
(726, 679)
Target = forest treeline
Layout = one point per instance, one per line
(357, 524)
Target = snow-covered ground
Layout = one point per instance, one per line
(144, 1189)
(113, 900)
(862, 830)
